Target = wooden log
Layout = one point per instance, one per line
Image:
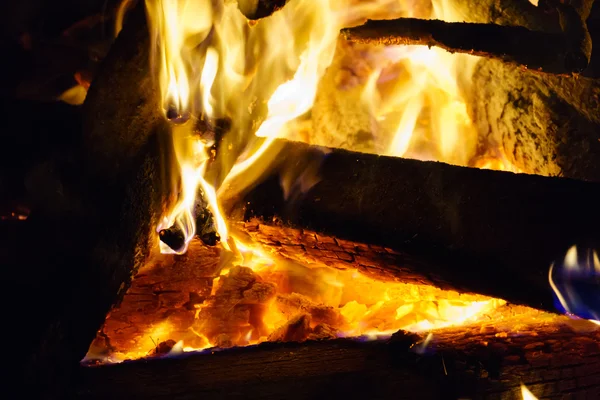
(490, 232)
(103, 199)
(548, 52)
(552, 360)
(544, 123)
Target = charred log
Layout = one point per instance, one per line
(548, 52)
(489, 232)
(458, 364)
(95, 229)
(545, 124)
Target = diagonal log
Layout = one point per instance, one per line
(536, 50)
(483, 231)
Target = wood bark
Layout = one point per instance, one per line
(554, 362)
(95, 209)
(490, 232)
(545, 124)
(535, 50)
(93, 214)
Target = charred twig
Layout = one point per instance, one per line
(559, 53)
(206, 229)
(173, 237)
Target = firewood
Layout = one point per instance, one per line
(80, 254)
(123, 186)
(548, 52)
(173, 237)
(552, 360)
(545, 123)
(484, 231)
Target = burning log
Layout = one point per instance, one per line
(541, 123)
(483, 231)
(98, 226)
(548, 52)
(545, 123)
(457, 363)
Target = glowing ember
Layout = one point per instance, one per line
(576, 284)
(206, 299)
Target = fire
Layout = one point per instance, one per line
(263, 77)
(576, 282)
(526, 393)
(212, 63)
(261, 296)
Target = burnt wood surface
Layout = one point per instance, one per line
(490, 232)
(93, 207)
(544, 123)
(553, 355)
(543, 51)
(554, 361)
(95, 195)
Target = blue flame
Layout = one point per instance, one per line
(576, 284)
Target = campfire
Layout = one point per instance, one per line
(402, 191)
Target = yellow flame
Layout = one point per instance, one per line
(570, 261)
(526, 393)
(212, 63)
(122, 10)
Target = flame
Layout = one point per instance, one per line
(121, 13)
(274, 299)
(421, 92)
(526, 393)
(576, 282)
(211, 63)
